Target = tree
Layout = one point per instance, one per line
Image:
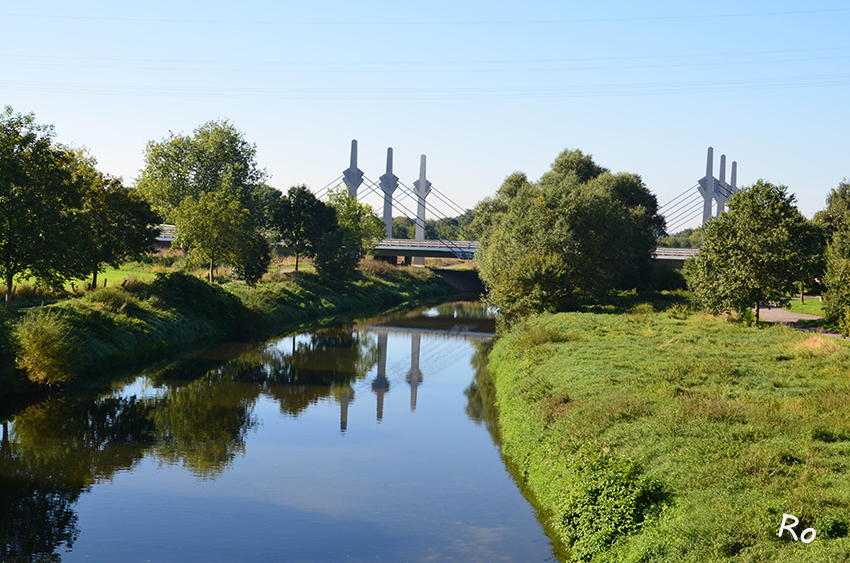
(753, 253)
(836, 217)
(302, 220)
(117, 224)
(359, 231)
(39, 197)
(213, 227)
(835, 223)
(578, 233)
(215, 158)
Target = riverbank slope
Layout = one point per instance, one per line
(114, 327)
(673, 436)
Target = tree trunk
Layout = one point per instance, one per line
(94, 280)
(757, 314)
(211, 271)
(8, 291)
(296, 259)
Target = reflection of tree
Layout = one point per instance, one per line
(481, 393)
(55, 452)
(204, 424)
(309, 371)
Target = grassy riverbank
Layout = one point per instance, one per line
(672, 436)
(112, 327)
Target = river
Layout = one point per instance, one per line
(374, 441)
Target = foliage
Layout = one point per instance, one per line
(48, 346)
(687, 238)
(606, 497)
(111, 327)
(216, 158)
(302, 220)
(359, 231)
(117, 224)
(39, 196)
(835, 222)
(593, 232)
(836, 217)
(753, 253)
(8, 349)
(736, 425)
(213, 227)
(253, 257)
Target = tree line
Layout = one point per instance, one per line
(581, 232)
(764, 249)
(62, 219)
(578, 233)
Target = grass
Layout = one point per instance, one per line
(670, 435)
(77, 339)
(811, 306)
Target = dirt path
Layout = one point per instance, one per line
(784, 316)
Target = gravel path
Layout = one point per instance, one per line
(784, 316)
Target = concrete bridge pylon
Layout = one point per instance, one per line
(714, 190)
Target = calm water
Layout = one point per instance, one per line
(372, 442)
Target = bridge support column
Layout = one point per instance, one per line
(421, 188)
(706, 186)
(389, 183)
(414, 376)
(353, 176)
(381, 385)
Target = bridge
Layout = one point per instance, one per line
(708, 195)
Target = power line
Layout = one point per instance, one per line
(349, 23)
(406, 62)
(424, 71)
(636, 89)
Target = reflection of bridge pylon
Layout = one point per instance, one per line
(381, 385)
(345, 398)
(414, 376)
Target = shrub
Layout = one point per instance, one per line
(115, 300)
(371, 267)
(47, 347)
(8, 349)
(188, 293)
(606, 497)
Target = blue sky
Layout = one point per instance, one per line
(482, 88)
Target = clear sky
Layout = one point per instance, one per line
(482, 88)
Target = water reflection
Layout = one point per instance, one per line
(198, 414)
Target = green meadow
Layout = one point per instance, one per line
(677, 436)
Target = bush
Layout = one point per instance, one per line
(8, 349)
(189, 294)
(667, 278)
(115, 300)
(48, 347)
(371, 267)
(606, 497)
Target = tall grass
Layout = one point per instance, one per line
(674, 436)
(114, 326)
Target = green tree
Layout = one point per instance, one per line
(302, 220)
(835, 223)
(836, 217)
(39, 198)
(216, 158)
(213, 227)
(117, 223)
(752, 254)
(359, 231)
(578, 233)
